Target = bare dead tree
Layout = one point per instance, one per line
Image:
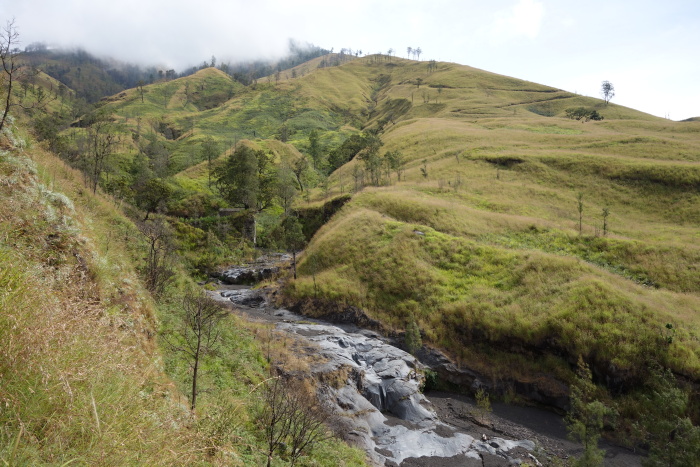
(158, 269)
(11, 72)
(275, 417)
(579, 201)
(140, 88)
(199, 333)
(101, 143)
(9, 39)
(292, 418)
(307, 424)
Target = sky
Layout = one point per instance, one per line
(649, 50)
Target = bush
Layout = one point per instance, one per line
(582, 113)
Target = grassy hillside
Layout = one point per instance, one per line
(80, 375)
(86, 374)
(515, 232)
(480, 242)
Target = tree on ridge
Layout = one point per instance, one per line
(607, 90)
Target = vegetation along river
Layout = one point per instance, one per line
(379, 405)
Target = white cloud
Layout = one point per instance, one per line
(524, 19)
(573, 45)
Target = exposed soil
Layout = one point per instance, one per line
(546, 429)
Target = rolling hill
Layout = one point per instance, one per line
(493, 171)
(517, 239)
(493, 176)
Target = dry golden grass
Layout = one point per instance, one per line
(463, 293)
(80, 372)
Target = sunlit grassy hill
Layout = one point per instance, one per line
(479, 242)
(514, 231)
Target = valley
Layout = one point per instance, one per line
(468, 217)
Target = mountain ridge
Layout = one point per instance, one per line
(481, 209)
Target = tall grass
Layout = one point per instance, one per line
(80, 381)
(464, 294)
(84, 378)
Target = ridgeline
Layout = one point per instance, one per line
(521, 228)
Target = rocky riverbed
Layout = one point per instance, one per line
(380, 406)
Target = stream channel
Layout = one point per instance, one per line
(380, 408)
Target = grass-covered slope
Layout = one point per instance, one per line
(86, 373)
(80, 379)
(495, 170)
(480, 240)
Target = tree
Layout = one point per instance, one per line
(409, 50)
(209, 151)
(158, 269)
(158, 154)
(101, 140)
(237, 180)
(412, 338)
(579, 200)
(359, 176)
(673, 440)
(424, 169)
(315, 149)
(9, 39)
(285, 188)
(198, 334)
(152, 195)
(48, 128)
(291, 418)
(607, 90)
(244, 180)
(586, 417)
(583, 114)
(483, 405)
(418, 51)
(292, 238)
(347, 151)
(12, 71)
(396, 162)
(298, 168)
(606, 213)
(140, 88)
(371, 159)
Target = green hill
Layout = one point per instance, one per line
(89, 367)
(517, 238)
(499, 271)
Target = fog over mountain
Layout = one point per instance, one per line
(645, 48)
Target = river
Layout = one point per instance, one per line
(381, 409)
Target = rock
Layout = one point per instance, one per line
(335, 312)
(245, 297)
(544, 390)
(380, 403)
(252, 273)
(246, 275)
